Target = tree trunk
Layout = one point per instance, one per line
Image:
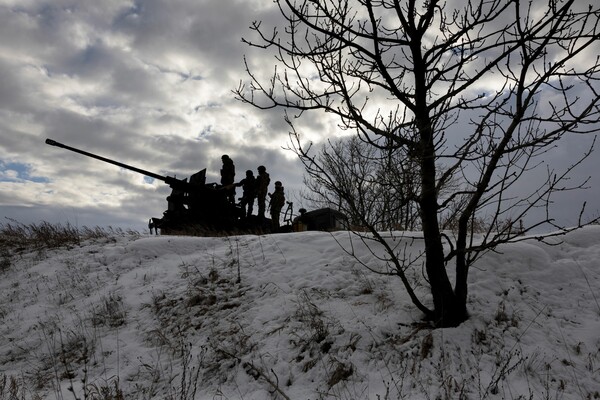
(449, 309)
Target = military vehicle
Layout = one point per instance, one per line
(323, 219)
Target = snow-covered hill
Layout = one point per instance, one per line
(292, 316)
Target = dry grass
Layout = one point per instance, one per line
(17, 236)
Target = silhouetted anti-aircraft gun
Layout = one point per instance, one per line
(194, 207)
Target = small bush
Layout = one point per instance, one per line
(109, 391)
(309, 314)
(111, 312)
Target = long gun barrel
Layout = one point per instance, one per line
(173, 182)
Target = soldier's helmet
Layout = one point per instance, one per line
(249, 173)
(261, 168)
(278, 183)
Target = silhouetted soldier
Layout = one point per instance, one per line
(276, 204)
(262, 186)
(228, 177)
(248, 185)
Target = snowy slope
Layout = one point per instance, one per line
(292, 316)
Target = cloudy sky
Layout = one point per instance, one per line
(146, 82)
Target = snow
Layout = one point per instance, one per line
(293, 316)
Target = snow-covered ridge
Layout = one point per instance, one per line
(292, 316)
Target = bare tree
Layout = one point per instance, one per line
(475, 90)
(371, 186)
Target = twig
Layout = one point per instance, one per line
(257, 372)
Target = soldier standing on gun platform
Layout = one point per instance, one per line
(262, 186)
(228, 176)
(248, 185)
(276, 204)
